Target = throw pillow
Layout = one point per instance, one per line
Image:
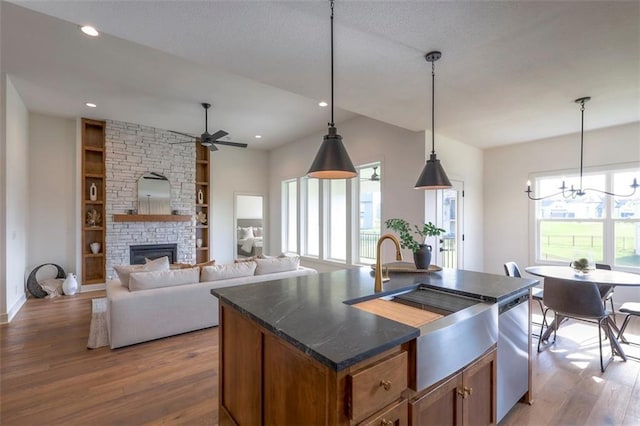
(245, 259)
(188, 265)
(159, 279)
(123, 271)
(246, 232)
(224, 272)
(52, 286)
(278, 264)
(257, 231)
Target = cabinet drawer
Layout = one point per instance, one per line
(393, 415)
(377, 385)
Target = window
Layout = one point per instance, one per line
(312, 216)
(339, 220)
(290, 216)
(370, 212)
(595, 225)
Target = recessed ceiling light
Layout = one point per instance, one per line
(89, 30)
(258, 136)
(91, 104)
(323, 104)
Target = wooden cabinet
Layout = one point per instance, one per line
(93, 201)
(202, 202)
(465, 398)
(266, 380)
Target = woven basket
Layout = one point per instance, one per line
(32, 282)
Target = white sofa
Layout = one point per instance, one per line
(143, 314)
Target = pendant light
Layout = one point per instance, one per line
(579, 192)
(332, 160)
(433, 175)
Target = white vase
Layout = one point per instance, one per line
(95, 248)
(199, 242)
(70, 285)
(93, 192)
(200, 197)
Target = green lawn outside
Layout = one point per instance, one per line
(564, 240)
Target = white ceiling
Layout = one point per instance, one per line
(509, 72)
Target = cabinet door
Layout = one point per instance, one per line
(295, 386)
(440, 406)
(240, 368)
(479, 385)
(393, 415)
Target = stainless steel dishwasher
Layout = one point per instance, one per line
(513, 351)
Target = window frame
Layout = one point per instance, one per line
(608, 221)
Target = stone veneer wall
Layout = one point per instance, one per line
(131, 151)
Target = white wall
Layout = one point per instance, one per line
(400, 151)
(16, 191)
(463, 163)
(507, 208)
(233, 170)
(52, 207)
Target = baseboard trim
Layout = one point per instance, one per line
(6, 318)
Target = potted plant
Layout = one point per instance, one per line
(421, 250)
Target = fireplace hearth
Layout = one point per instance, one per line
(139, 254)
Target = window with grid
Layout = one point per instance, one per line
(605, 228)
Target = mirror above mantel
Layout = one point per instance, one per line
(154, 201)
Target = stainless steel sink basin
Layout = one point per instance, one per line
(468, 328)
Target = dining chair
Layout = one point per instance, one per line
(631, 309)
(511, 269)
(606, 291)
(581, 301)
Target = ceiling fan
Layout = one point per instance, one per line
(210, 140)
(375, 177)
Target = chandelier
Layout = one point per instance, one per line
(572, 192)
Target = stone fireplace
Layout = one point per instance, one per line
(131, 151)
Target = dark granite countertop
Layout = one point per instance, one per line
(312, 312)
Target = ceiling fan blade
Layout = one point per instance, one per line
(183, 134)
(213, 148)
(237, 144)
(219, 134)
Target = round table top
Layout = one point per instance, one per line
(598, 276)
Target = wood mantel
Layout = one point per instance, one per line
(151, 218)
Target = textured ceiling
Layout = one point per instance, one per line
(509, 72)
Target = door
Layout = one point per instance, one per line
(450, 217)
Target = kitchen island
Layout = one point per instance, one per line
(301, 351)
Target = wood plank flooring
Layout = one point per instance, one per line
(49, 377)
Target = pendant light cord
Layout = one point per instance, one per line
(433, 96)
(332, 124)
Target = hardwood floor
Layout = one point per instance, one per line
(49, 377)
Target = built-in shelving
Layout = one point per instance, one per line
(202, 184)
(93, 173)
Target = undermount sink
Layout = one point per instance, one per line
(454, 329)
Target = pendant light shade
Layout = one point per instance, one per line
(332, 160)
(433, 175)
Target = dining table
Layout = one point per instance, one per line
(597, 276)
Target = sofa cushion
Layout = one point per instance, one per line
(277, 264)
(123, 271)
(223, 272)
(189, 266)
(158, 279)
